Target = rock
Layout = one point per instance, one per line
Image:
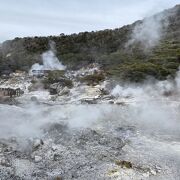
(108, 97)
(146, 175)
(4, 162)
(89, 101)
(153, 172)
(104, 91)
(64, 91)
(56, 157)
(8, 149)
(121, 103)
(54, 147)
(37, 159)
(158, 169)
(55, 88)
(111, 102)
(58, 86)
(37, 143)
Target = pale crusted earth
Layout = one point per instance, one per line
(128, 134)
(47, 144)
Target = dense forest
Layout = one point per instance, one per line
(109, 48)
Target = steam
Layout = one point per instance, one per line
(149, 32)
(151, 108)
(30, 120)
(147, 115)
(50, 61)
(150, 90)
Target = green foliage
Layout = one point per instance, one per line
(137, 72)
(57, 76)
(124, 164)
(108, 48)
(93, 79)
(54, 76)
(36, 44)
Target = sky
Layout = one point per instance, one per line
(20, 18)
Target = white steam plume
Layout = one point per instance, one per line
(50, 61)
(148, 110)
(149, 32)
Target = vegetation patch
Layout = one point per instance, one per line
(108, 48)
(57, 76)
(93, 79)
(124, 164)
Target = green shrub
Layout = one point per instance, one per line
(137, 72)
(107, 47)
(57, 76)
(54, 76)
(93, 79)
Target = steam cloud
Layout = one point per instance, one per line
(149, 90)
(50, 61)
(148, 110)
(149, 32)
(153, 106)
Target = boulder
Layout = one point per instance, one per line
(37, 143)
(64, 91)
(37, 159)
(4, 162)
(58, 88)
(89, 101)
(55, 88)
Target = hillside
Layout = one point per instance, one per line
(150, 47)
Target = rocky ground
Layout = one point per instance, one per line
(88, 132)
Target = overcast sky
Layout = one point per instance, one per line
(20, 18)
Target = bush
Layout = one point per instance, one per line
(137, 72)
(54, 76)
(93, 79)
(57, 76)
(108, 48)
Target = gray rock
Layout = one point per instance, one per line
(89, 101)
(55, 88)
(64, 91)
(37, 143)
(37, 159)
(4, 162)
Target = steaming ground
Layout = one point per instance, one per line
(26, 121)
(130, 133)
(86, 141)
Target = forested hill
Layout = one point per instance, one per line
(150, 47)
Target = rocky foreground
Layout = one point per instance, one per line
(89, 130)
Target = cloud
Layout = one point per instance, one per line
(43, 17)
